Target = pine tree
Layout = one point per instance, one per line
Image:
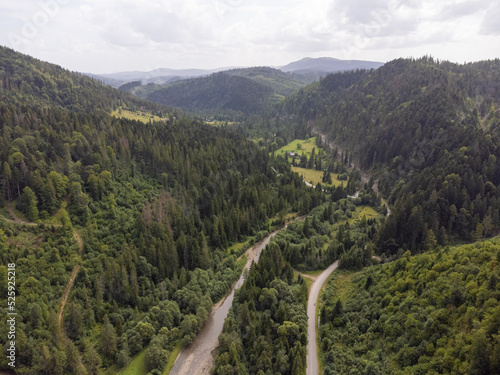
(7, 175)
(107, 340)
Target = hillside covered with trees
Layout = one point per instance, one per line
(434, 313)
(236, 92)
(122, 232)
(429, 132)
(219, 92)
(146, 211)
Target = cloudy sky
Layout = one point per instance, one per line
(104, 36)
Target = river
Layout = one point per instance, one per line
(198, 357)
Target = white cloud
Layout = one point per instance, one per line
(461, 9)
(114, 35)
(491, 21)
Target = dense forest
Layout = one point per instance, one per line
(219, 92)
(28, 81)
(142, 218)
(428, 130)
(236, 92)
(336, 230)
(434, 313)
(280, 82)
(266, 330)
(155, 206)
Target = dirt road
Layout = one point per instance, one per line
(198, 357)
(312, 346)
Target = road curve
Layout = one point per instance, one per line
(312, 346)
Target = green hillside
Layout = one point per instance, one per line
(280, 82)
(428, 130)
(219, 92)
(121, 245)
(238, 91)
(25, 80)
(434, 313)
(124, 218)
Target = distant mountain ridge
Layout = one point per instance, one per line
(236, 91)
(217, 92)
(328, 65)
(162, 76)
(241, 90)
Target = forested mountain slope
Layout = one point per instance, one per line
(25, 80)
(429, 131)
(156, 206)
(280, 82)
(215, 93)
(434, 313)
(238, 91)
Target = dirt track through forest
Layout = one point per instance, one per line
(17, 220)
(72, 279)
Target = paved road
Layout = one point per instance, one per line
(312, 346)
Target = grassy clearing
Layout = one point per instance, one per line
(305, 148)
(366, 211)
(219, 123)
(144, 117)
(256, 140)
(235, 249)
(343, 283)
(358, 214)
(313, 274)
(313, 176)
(171, 359)
(137, 366)
(288, 217)
(291, 216)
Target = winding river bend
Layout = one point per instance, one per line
(197, 358)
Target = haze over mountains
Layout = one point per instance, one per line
(232, 92)
(328, 65)
(320, 66)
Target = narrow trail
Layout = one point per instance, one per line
(312, 277)
(71, 280)
(312, 346)
(17, 220)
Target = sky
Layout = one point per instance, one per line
(105, 36)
